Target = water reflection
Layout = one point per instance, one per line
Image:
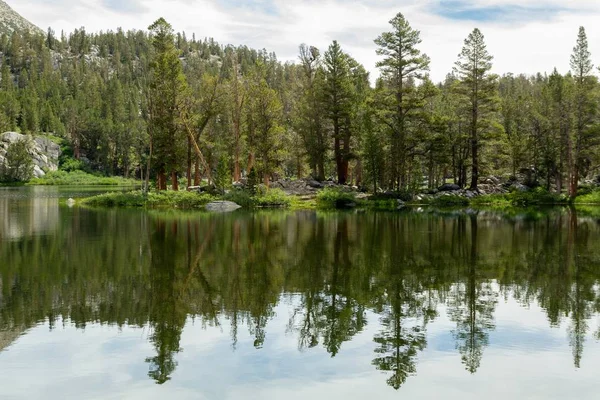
(336, 274)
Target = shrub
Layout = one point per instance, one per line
(592, 197)
(275, 198)
(252, 181)
(241, 197)
(335, 198)
(70, 164)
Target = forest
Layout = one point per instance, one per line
(160, 106)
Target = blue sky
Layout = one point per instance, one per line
(524, 36)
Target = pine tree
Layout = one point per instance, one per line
(167, 87)
(480, 88)
(586, 105)
(402, 61)
(338, 102)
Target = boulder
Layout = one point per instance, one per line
(519, 187)
(222, 206)
(315, 184)
(448, 187)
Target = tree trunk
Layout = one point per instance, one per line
(197, 177)
(162, 180)
(338, 159)
(174, 181)
(189, 162)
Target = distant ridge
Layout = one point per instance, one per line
(11, 21)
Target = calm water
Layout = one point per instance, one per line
(124, 304)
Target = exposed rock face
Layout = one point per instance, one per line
(222, 206)
(44, 152)
(11, 21)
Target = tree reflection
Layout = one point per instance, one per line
(167, 311)
(331, 271)
(472, 304)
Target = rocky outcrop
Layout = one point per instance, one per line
(222, 206)
(11, 21)
(43, 151)
(307, 187)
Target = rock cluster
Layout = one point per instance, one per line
(307, 187)
(43, 151)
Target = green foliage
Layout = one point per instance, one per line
(537, 197)
(273, 198)
(80, 178)
(591, 197)
(330, 198)
(69, 164)
(252, 181)
(164, 199)
(449, 201)
(240, 197)
(222, 176)
(18, 165)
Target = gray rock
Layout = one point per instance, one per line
(519, 187)
(314, 184)
(222, 206)
(44, 152)
(449, 187)
(38, 172)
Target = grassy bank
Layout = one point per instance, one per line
(80, 178)
(330, 199)
(190, 201)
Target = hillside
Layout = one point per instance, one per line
(10, 20)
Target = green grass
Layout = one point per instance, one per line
(331, 198)
(80, 178)
(270, 198)
(592, 197)
(190, 201)
(136, 199)
(537, 197)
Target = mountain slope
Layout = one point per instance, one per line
(10, 20)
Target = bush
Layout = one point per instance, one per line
(539, 196)
(592, 197)
(69, 164)
(335, 198)
(18, 165)
(273, 198)
(241, 197)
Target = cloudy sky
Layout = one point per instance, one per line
(525, 36)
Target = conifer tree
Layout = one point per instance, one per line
(479, 86)
(402, 60)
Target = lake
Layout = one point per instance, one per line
(417, 304)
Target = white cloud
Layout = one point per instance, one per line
(537, 42)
